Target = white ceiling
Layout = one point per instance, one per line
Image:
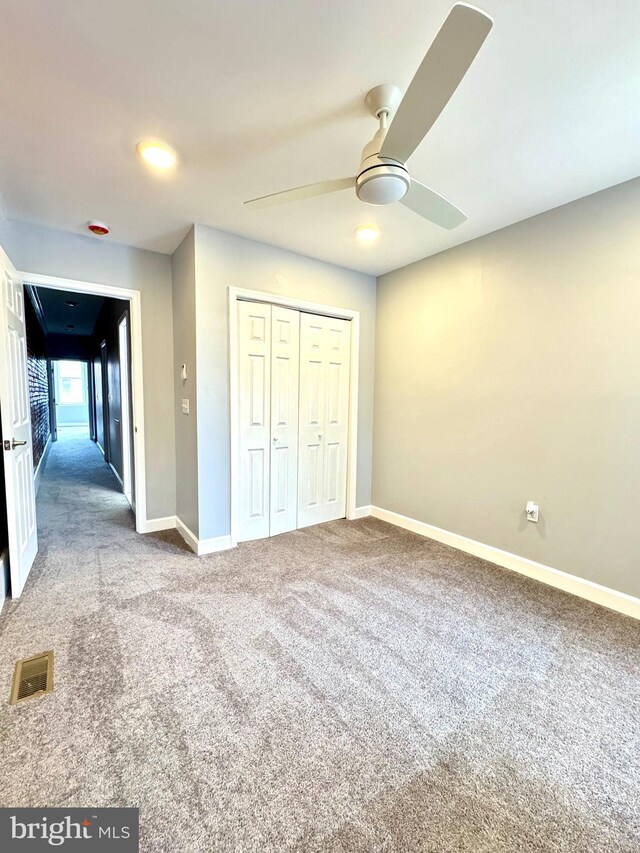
(262, 96)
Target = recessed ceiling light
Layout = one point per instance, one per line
(367, 233)
(157, 154)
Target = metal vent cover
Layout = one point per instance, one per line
(32, 677)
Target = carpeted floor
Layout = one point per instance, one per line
(349, 687)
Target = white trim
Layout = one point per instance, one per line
(202, 546)
(37, 474)
(190, 538)
(137, 386)
(361, 512)
(118, 477)
(153, 525)
(211, 546)
(352, 443)
(234, 418)
(125, 413)
(237, 294)
(611, 598)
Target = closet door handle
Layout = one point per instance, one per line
(319, 436)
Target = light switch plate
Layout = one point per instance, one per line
(532, 510)
(185, 407)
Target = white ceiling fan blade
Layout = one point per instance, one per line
(447, 61)
(432, 206)
(299, 193)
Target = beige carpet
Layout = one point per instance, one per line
(349, 687)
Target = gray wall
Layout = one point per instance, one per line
(184, 352)
(36, 249)
(509, 368)
(224, 259)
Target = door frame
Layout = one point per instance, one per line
(106, 403)
(92, 399)
(125, 409)
(239, 294)
(137, 388)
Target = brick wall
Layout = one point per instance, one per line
(38, 383)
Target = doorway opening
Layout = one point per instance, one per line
(81, 401)
(28, 398)
(71, 398)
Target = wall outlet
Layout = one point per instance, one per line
(185, 410)
(532, 510)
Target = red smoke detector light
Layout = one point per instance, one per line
(98, 228)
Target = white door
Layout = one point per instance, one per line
(254, 380)
(325, 345)
(285, 360)
(16, 429)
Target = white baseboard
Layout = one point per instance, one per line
(202, 546)
(361, 512)
(37, 475)
(153, 525)
(118, 477)
(581, 587)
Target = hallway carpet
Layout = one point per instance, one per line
(349, 687)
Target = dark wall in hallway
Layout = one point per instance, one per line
(108, 406)
(38, 375)
(72, 347)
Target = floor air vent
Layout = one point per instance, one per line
(33, 677)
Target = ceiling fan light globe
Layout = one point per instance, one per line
(382, 185)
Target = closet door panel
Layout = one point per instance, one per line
(324, 408)
(254, 346)
(285, 363)
(336, 428)
(313, 374)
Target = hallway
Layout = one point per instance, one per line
(346, 687)
(79, 495)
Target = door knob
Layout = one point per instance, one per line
(15, 443)
(275, 438)
(319, 436)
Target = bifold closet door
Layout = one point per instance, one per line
(254, 379)
(285, 361)
(325, 345)
(269, 351)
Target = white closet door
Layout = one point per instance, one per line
(254, 346)
(285, 360)
(323, 425)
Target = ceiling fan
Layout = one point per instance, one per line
(383, 177)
